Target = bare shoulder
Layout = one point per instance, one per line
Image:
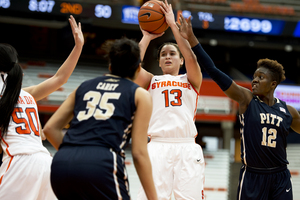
(144, 78)
(142, 93)
(296, 118)
(293, 111)
(28, 89)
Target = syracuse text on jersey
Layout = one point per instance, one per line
(159, 84)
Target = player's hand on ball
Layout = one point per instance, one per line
(168, 12)
(152, 36)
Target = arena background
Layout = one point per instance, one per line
(235, 33)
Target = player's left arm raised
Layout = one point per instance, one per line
(193, 69)
(296, 119)
(62, 75)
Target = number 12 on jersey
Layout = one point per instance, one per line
(269, 137)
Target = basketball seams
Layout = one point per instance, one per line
(142, 9)
(159, 27)
(156, 3)
(153, 20)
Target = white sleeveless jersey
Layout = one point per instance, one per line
(174, 107)
(23, 135)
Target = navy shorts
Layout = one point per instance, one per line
(273, 184)
(89, 172)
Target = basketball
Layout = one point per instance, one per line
(151, 18)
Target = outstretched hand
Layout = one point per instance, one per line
(185, 27)
(168, 12)
(77, 32)
(152, 36)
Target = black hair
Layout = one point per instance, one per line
(11, 85)
(168, 43)
(276, 69)
(124, 57)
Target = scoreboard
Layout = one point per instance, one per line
(58, 8)
(127, 14)
(241, 24)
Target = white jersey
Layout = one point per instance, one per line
(174, 107)
(23, 136)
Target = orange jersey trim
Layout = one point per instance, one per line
(11, 158)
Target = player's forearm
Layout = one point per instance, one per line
(222, 79)
(144, 170)
(182, 43)
(67, 68)
(54, 136)
(144, 43)
(193, 41)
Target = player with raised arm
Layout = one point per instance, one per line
(264, 120)
(25, 171)
(177, 161)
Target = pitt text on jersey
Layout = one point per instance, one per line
(267, 118)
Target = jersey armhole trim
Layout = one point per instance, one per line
(198, 93)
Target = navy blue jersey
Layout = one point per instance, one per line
(263, 134)
(103, 113)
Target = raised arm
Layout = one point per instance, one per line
(50, 85)
(144, 77)
(193, 70)
(54, 126)
(140, 155)
(240, 94)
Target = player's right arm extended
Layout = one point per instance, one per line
(54, 126)
(140, 155)
(144, 77)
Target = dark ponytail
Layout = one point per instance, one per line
(124, 57)
(11, 85)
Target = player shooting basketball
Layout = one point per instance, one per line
(177, 161)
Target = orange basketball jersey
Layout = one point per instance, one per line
(174, 107)
(23, 135)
